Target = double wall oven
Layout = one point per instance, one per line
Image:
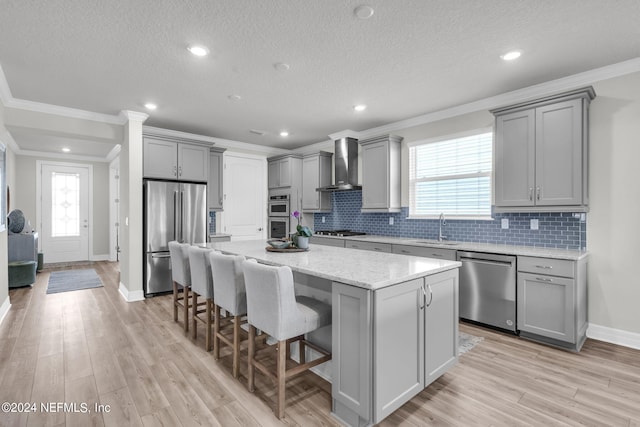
(279, 216)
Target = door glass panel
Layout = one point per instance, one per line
(65, 204)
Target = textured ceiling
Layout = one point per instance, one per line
(410, 58)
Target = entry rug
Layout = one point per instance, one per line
(466, 342)
(73, 280)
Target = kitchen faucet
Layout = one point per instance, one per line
(442, 222)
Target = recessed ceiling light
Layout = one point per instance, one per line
(363, 11)
(284, 133)
(150, 106)
(198, 50)
(510, 56)
(65, 149)
(360, 107)
(281, 66)
(234, 98)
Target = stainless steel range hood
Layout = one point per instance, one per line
(346, 166)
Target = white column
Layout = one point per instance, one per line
(131, 262)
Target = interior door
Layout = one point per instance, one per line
(65, 212)
(244, 215)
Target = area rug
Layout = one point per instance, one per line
(467, 341)
(73, 280)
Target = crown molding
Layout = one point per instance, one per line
(521, 95)
(347, 133)
(314, 148)
(62, 156)
(7, 138)
(132, 116)
(218, 142)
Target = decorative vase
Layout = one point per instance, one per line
(302, 242)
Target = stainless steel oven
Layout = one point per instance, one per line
(278, 227)
(279, 205)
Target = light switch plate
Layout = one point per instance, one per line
(323, 219)
(390, 220)
(505, 223)
(534, 224)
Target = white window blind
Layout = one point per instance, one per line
(451, 176)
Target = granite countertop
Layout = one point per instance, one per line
(566, 254)
(364, 269)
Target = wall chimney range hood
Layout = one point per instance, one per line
(346, 166)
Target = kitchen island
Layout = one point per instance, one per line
(394, 321)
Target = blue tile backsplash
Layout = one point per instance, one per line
(556, 230)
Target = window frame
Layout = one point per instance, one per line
(450, 216)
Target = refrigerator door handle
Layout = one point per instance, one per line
(175, 215)
(182, 216)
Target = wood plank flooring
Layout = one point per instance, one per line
(91, 347)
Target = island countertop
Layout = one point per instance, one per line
(364, 269)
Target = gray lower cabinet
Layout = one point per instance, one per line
(368, 246)
(552, 301)
(327, 241)
(215, 182)
(428, 252)
(389, 344)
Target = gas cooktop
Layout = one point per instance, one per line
(339, 233)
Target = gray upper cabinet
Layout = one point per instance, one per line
(316, 172)
(541, 154)
(283, 171)
(214, 184)
(381, 174)
(172, 159)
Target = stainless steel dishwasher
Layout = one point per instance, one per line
(488, 289)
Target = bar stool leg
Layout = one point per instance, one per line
(216, 331)
(303, 357)
(185, 313)
(194, 314)
(281, 377)
(236, 346)
(207, 335)
(252, 353)
(175, 301)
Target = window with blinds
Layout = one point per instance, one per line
(451, 176)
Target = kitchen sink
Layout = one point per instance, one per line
(437, 242)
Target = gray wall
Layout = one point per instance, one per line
(23, 197)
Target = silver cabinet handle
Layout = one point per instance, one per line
(543, 279)
(180, 170)
(377, 249)
(175, 171)
(220, 201)
(531, 193)
(423, 299)
(404, 251)
(430, 295)
(437, 255)
(546, 267)
(538, 193)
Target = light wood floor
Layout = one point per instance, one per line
(90, 347)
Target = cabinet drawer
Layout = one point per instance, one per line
(369, 246)
(327, 241)
(438, 253)
(547, 266)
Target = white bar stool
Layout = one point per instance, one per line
(181, 276)
(273, 307)
(201, 285)
(231, 296)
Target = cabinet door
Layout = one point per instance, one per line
(284, 168)
(438, 253)
(441, 324)
(546, 306)
(214, 185)
(559, 154)
(375, 175)
(310, 181)
(398, 345)
(193, 162)
(274, 174)
(160, 158)
(515, 159)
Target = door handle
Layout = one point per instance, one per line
(424, 298)
(538, 193)
(260, 229)
(531, 193)
(179, 170)
(175, 215)
(430, 295)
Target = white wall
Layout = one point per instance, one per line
(4, 253)
(23, 197)
(612, 223)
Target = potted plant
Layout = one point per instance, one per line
(301, 238)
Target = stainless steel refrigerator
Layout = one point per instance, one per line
(172, 211)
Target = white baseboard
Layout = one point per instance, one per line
(614, 336)
(130, 296)
(103, 257)
(4, 308)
